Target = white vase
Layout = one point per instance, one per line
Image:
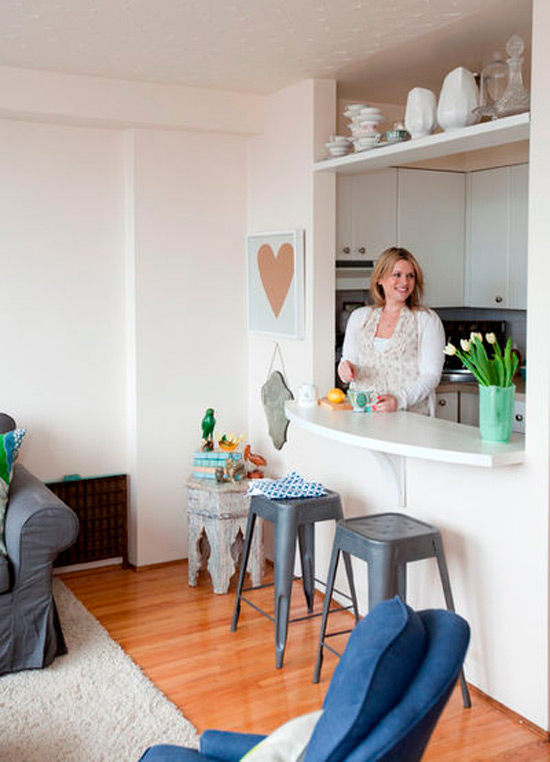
(458, 98)
(420, 113)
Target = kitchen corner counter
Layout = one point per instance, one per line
(408, 435)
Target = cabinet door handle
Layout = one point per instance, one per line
(444, 402)
(346, 250)
(498, 299)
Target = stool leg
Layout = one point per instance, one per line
(244, 561)
(285, 553)
(306, 542)
(446, 584)
(351, 583)
(383, 577)
(326, 606)
(402, 581)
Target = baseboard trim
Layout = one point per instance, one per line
(148, 567)
(545, 735)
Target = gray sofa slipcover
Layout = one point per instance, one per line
(38, 527)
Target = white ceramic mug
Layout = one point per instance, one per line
(307, 395)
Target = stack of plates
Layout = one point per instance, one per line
(364, 121)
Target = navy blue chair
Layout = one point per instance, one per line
(386, 694)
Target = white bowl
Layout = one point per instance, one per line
(362, 144)
(353, 108)
(361, 131)
(370, 110)
(338, 150)
(368, 119)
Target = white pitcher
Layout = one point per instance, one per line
(420, 112)
(458, 98)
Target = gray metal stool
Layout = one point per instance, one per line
(387, 542)
(293, 519)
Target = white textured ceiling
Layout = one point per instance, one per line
(259, 46)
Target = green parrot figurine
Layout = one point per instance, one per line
(208, 423)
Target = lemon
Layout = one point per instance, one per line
(336, 395)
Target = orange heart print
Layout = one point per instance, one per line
(276, 272)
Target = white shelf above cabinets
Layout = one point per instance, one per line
(509, 129)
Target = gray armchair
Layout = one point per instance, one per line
(38, 527)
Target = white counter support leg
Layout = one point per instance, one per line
(395, 470)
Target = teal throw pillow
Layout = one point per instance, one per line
(9, 445)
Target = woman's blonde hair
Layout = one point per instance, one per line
(384, 266)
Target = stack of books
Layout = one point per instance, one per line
(206, 462)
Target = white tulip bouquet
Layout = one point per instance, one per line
(498, 370)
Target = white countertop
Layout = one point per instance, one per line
(408, 434)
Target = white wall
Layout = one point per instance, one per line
(49, 96)
(62, 307)
(188, 209)
(123, 282)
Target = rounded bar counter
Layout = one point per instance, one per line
(408, 435)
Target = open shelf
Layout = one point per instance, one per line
(509, 129)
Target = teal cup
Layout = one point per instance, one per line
(361, 400)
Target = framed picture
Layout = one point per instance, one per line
(275, 270)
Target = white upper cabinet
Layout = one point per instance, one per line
(431, 220)
(366, 214)
(418, 209)
(517, 260)
(497, 238)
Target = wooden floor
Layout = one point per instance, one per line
(181, 638)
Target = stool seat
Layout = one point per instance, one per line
(387, 542)
(293, 519)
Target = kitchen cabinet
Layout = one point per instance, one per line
(469, 408)
(422, 210)
(431, 219)
(497, 238)
(366, 214)
(460, 406)
(446, 406)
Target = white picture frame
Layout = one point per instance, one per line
(275, 283)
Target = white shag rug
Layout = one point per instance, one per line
(93, 704)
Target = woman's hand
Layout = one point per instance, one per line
(346, 371)
(386, 403)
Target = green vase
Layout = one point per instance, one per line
(496, 412)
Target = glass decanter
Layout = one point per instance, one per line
(493, 83)
(515, 99)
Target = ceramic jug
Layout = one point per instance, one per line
(420, 112)
(307, 395)
(458, 98)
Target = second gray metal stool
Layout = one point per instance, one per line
(387, 542)
(294, 519)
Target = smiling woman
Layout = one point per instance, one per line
(394, 349)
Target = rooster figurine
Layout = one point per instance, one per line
(256, 460)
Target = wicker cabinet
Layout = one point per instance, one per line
(101, 504)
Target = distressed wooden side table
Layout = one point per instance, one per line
(217, 515)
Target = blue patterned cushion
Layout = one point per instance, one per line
(9, 445)
(383, 654)
(291, 486)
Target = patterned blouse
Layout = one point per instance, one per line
(408, 365)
